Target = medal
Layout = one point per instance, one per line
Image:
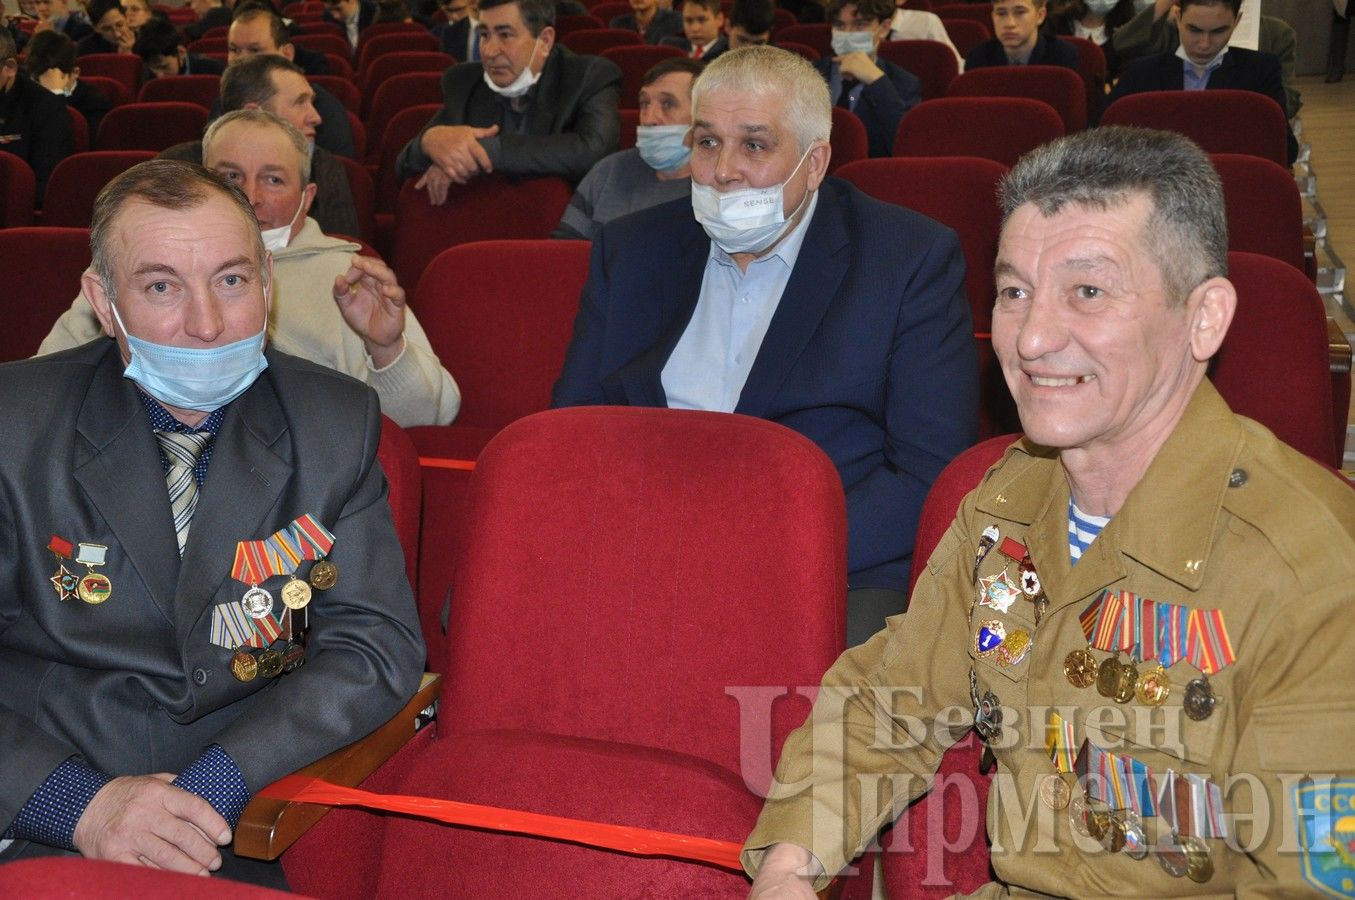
(1200, 700)
(257, 603)
(1079, 667)
(1170, 856)
(1078, 815)
(986, 542)
(1014, 649)
(1030, 581)
(93, 588)
(1126, 678)
(244, 666)
(1135, 839)
(270, 663)
(65, 582)
(293, 657)
(1108, 677)
(324, 575)
(1098, 823)
(1054, 792)
(987, 709)
(296, 594)
(997, 592)
(1113, 839)
(1199, 867)
(1153, 687)
(990, 636)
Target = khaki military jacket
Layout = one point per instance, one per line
(1226, 517)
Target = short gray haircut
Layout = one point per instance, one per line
(1187, 230)
(168, 184)
(263, 118)
(771, 71)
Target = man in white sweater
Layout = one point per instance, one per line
(330, 306)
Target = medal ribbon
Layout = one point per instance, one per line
(61, 547)
(1059, 742)
(285, 552)
(1153, 630)
(1206, 806)
(249, 566)
(1209, 646)
(1117, 779)
(1105, 633)
(1087, 618)
(1141, 777)
(314, 539)
(1090, 769)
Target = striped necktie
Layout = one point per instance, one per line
(183, 450)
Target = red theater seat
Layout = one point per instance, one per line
(151, 126)
(1220, 121)
(1060, 87)
(635, 61)
(996, 128)
(931, 61)
(200, 89)
(77, 180)
(29, 307)
(18, 189)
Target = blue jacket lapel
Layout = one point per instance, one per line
(814, 282)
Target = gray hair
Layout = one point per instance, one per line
(168, 184)
(771, 71)
(265, 119)
(1187, 230)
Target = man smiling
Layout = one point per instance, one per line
(530, 107)
(1146, 590)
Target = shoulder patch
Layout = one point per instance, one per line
(1325, 815)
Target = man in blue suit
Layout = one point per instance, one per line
(793, 298)
(875, 89)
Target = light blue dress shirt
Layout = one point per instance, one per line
(712, 359)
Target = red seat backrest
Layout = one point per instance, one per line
(31, 306)
(817, 35)
(1265, 211)
(200, 89)
(966, 34)
(931, 61)
(635, 61)
(77, 180)
(18, 191)
(592, 41)
(996, 128)
(848, 139)
(151, 126)
(1060, 87)
(1220, 121)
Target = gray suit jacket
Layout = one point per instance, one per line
(134, 685)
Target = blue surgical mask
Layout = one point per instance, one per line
(845, 42)
(201, 380)
(746, 221)
(1100, 7)
(663, 147)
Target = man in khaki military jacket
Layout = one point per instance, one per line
(1171, 714)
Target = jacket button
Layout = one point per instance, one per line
(200, 676)
(1237, 478)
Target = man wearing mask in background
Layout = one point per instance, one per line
(331, 307)
(794, 298)
(875, 89)
(656, 170)
(530, 107)
(173, 686)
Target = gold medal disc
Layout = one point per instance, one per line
(1054, 792)
(1153, 687)
(244, 666)
(296, 594)
(94, 588)
(1108, 676)
(324, 575)
(1199, 867)
(1079, 667)
(1126, 677)
(270, 664)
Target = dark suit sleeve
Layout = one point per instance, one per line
(931, 403)
(334, 208)
(580, 382)
(412, 160)
(883, 104)
(365, 653)
(593, 131)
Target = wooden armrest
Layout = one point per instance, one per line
(1337, 347)
(268, 827)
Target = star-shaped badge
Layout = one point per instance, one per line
(998, 592)
(65, 582)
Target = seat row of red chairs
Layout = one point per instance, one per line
(592, 639)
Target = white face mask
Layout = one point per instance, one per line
(746, 221)
(845, 42)
(520, 85)
(277, 239)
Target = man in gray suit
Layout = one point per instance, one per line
(154, 621)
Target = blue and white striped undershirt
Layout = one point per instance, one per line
(1082, 530)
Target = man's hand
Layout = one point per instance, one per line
(456, 150)
(787, 873)
(436, 182)
(1162, 7)
(859, 67)
(373, 304)
(144, 819)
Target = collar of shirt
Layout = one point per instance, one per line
(1024, 58)
(1097, 35)
(715, 354)
(1199, 74)
(161, 420)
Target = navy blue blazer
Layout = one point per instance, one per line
(1049, 51)
(1240, 70)
(870, 353)
(882, 104)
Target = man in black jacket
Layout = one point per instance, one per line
(528, 108)
(1019, 41)
(34, 124)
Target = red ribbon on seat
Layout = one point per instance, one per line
(636, 841)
